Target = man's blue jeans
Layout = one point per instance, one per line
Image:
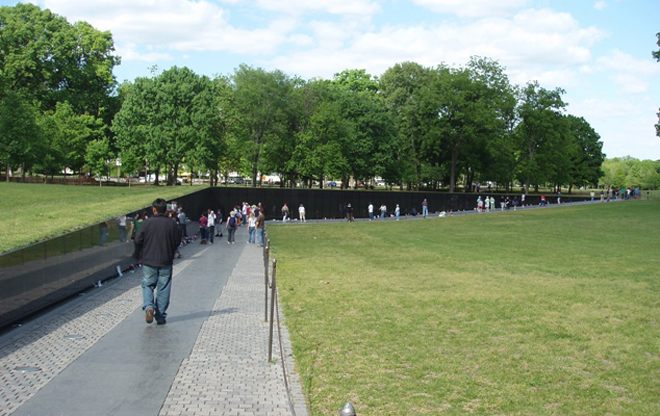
(251, 232)
(260, 236)
(160, 279)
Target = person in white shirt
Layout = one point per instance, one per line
(301, 213)
(211, 225)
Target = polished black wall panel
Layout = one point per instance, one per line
(35, 277)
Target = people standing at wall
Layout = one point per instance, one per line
(232, 223)
(425, 208)
(559, 197)
(156, 243)
(183, 223)
(492, 203)
(370, 209)
(252, 225)
(245, 212)
(173, 216)
(349, 213)
(480, 204)
(592, 194)
(301, 213)
(211, 225)
(397, 212)
(261, 226)
(383, 210)
(285, 212)
(218, 225)
(203, 224)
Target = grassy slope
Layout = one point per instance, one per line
(539, 312)
(32, 212)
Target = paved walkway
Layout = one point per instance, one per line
(97, 356)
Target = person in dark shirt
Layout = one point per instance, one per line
(156, 242)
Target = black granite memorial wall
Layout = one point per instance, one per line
(37, 276)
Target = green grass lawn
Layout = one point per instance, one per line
(32, 212)
(553, 311)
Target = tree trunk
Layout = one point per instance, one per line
(452, 174)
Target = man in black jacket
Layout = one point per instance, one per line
(156, 241)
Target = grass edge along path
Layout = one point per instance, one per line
(35, 212)
(526, 312)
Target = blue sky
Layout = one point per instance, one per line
(599, 51)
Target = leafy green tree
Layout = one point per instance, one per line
(401, 86)
(586, 162)
(72, 134)
(370, 149)
(261, 99)
(498, 163)
(49, 60)
(19, 133)
(539, 115)
(322, 132)
(463, 114)
(98, 156)
(166, 119)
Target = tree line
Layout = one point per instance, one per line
(413, 126)
(630, 173)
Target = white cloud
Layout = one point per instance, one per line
(525, 44)
(633, 76)
(472, 8)
(129, 52)
(600, 5)
(337, 7)
(183, 25)
(621, 61)
(625, 125)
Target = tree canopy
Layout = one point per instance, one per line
(414, 126)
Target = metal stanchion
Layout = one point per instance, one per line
(347, 410)
(273, 299)
(266, 261)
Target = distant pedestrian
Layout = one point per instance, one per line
(383, 210)
(425, 208)
(155, 243)
(301, 213)
(349, 213)
(172, 215)
(183, 223)
(285, 212)
(211, 225)
(370, 209)
(252, 225)
(203, 228)
(261, 226)
(397, 212)
(231, 227)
